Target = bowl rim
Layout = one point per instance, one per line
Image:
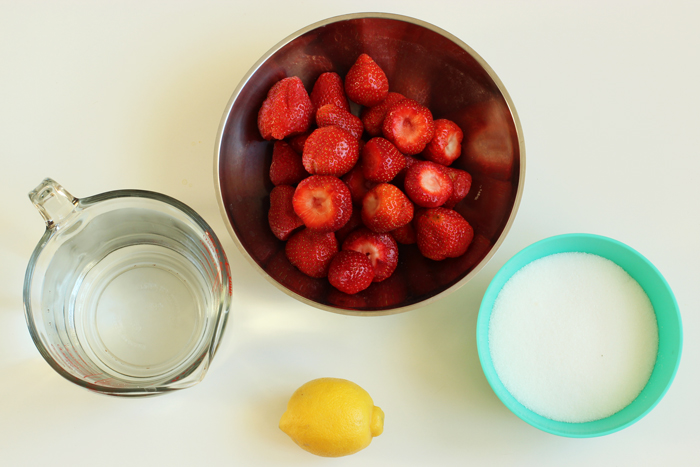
(540, 249)
(346, 17)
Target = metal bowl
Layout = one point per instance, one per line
(421, 62)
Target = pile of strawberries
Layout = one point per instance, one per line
(348, 189)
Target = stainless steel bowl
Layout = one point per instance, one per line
(422, 62)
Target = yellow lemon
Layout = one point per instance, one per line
(332, 417)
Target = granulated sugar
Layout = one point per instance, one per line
(573, 337)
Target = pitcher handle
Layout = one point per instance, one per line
(53, 201)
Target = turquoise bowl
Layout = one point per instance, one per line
(667, 316)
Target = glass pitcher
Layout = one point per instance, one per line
(127, 293)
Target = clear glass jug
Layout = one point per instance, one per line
(127, 293)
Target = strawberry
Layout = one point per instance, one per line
(409, 126)
(401, 176)
(417, 212)
(381, 161)
(330, 151)
(354, 222)
(380, 248)
(322, 202)
(406, 234)
(386, 208)
(365, 82)
(297, 142)
(328, 89)
(280, 269)
(358, 184)
(428, 184)
(286, 111)
(461, 184)
(446, 145)
(442, 233)
(350, 271)
(311, 251)
(286, 167)
(331, 114)
(281, 216)
(373, 117)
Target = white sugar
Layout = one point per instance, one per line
(573, 337)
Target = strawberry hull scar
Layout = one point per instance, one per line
(322, 202)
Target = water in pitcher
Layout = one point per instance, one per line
(127, 293)
(141, 310)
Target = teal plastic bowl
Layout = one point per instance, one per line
(667, 316)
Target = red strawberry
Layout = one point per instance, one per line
(386, 208)
(330, 151)
(461, 184)
(350, 271)
(428, 184)
(281, 216)
(381, 161)
(287, 110)
(311, 251)
(446, 145)
(331, 114)
(297, 142)
(380, 248)
(354, 222)
(328, 89)
(417, 212)
(406, 235)
(280, 269)
(366, 83)
(373, 117)
(409, 126)
(323, 202)
(286, 167)
(401, 176)
(410, 160)
(358, 184)
(442, 233)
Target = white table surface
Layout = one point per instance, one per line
(110, 95)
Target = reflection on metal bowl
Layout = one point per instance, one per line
(421, 62)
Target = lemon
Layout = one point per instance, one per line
(332, 417)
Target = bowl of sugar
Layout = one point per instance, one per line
(579, 335)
